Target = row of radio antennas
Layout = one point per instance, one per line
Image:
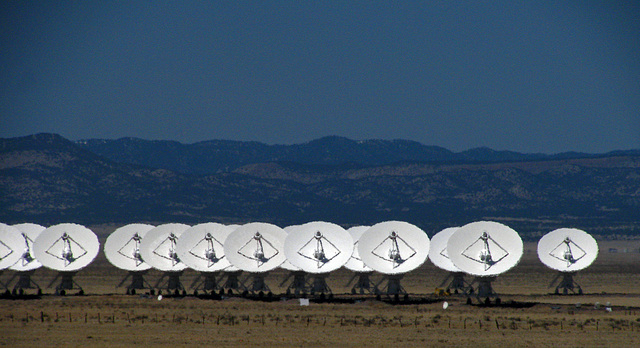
(66, 248)
(496, 248)
(482, 249)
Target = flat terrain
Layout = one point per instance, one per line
(530, 315)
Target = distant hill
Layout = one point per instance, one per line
(217, 156)
(47, 179)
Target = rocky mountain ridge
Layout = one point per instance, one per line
(47, 179)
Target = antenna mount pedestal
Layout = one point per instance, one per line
(25, 281)
(363, 284)
(66, 282)
(257, 283)
(320, 284)
(299, 285)
(567, 284)
(485, 290)
(393, 286)
(233, 282)
(137, 281)
(172, 281)
(457, 284)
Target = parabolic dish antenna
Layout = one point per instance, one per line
(256, 247)
(362, 282)
(122, 247)
(438, 250)
(287, 264)
(28, 260)
(440, 257)
(201, 247)
(567, 250)
(11, 246)
(66, 247)
(393, 247)
(318, 247)
(355, 262)
(231, 267)
(158, 247)
(299, 285)
(485, 248)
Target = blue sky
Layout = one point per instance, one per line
(533, 76)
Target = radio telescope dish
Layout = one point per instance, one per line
(394, 247)
(66, 247)
(122, 247)
(355, 262)
(363, 283)
(256, 247)
(201, 247)
(11, 246)
(438, 250)
(485, 249)
(439, 256)
(158, 247)
(28, 261)
(318, 247)
(287, 264)
(27, 264)
(567, 250)
(299, 285)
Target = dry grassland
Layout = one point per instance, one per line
(106, 317)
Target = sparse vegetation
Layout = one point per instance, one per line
(105, 316)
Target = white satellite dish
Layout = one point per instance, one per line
(158, 249)
(363, 272)
(438, 250)
(232, 273)
(567, 250)
(28, 261)
(299, 285)
(393, 248)
(27, 264)
(256, 248)
(122, 249)
(485, 249)
(287, 264)
(201, 248)
(66, 248)
(318, 248)
(439, 256)
(355, 262)
(11, 246)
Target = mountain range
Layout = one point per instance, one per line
(217, 156)
(45, 178)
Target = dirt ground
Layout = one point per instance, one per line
(607, 314)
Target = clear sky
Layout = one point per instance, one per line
(528, 76)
